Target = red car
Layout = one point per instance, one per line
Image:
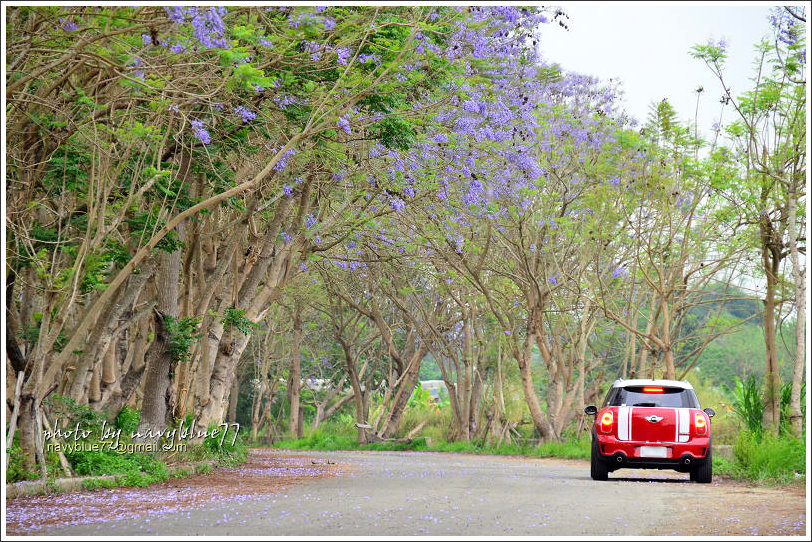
(652, 424)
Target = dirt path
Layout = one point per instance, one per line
(401, 493)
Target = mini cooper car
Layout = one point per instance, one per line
(651, 424)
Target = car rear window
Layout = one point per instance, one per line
(650, 396)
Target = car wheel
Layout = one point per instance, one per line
(598, 467)
(703, 472)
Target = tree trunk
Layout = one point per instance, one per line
(523, 358)
(295, 375)
(798, 276)
(229, 353)
(405, 388)
(156, 383)
(467, 361)
(358, 392)
(27, 430)
(120, 395)
(233, 399)
(772, 379)
(154, 410)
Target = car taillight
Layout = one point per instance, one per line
(653, 390)
(699, 424)
(606, 422)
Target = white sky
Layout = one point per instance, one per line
(646, 46)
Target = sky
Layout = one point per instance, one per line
(646, 46)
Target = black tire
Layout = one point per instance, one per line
(703, 472)
(598, 468)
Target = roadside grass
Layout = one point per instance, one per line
(765, 459)
(116, 461)
(321, 439)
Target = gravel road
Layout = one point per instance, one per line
(434, 494)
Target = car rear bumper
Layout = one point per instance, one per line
(677, 455)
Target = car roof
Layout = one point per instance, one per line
(621, 383)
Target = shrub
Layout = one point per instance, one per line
(320, 439)
(51, 487)
(134, 479)
(785, 427)
(571, 449)
(67, 413)
(768, 458)
(228, 450)
(156, 470)
(181, 473)
(748, 404)
(96, 483)
(95, 463)
(15, 471)
(127, 420)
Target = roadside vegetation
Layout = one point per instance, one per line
(91, 455)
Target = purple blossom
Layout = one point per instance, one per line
(265, 42)
(208, 25)
(283, 160)
(721, 44)
(246, 114)
(553, 281)
(344, 124)
(508, 332)
(68, 26)
(784, 25)
(310, 221)
(284, 100)
(329, 24)
(200, 132)
(314, 48)
(343, 55)
(177, 48)
(363, 58)
(619, 272)
(176, 14)
(286, 237)
(397, 204)
(287, 190)
(146, 38)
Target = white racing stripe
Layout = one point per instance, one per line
(683, 425)
(624, 425)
